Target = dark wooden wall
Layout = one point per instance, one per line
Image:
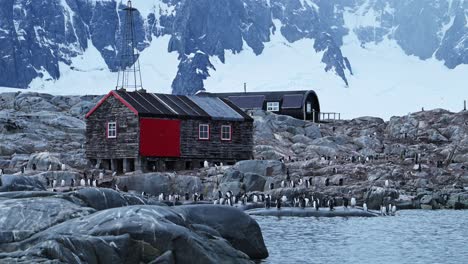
(126, 145)
(239, 148)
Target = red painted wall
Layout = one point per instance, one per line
(159, 137)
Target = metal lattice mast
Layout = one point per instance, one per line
(129, 75)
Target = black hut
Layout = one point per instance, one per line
(298, 104)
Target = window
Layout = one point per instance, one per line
(309, 107)
(226, 133)
(204, 132)
(111, 130)
(273, 106)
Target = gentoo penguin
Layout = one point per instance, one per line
(187, 197)
(394, 209)
(222, 201)
(307, 183)
(387, 183)
(50, 167)
(316, 205)
(114, 174)
(272, 186)
(200, 197)
(255, 198)
(382, 209)
(293, 184)
(63, 167)
(278, 203)
(220, 195)
(364, 206)
(353, 202)
(331, 204)
(284, 199)
(161, 197)
(62, 183)
(89, 182)
(195, 197)
(283, 184)
(206, 164)
(302, 202)
(345, 202)
(300, 181)
(101, 175)
(94, 183)
(307, 202)
(82, 183)
(54, 183)
(267, 202)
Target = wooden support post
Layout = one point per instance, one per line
(313, 115)
(339, 116)
(464, 105)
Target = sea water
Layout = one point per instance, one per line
(414, 236)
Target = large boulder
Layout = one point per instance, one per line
(151, 183)
(238, 228)
(313, 131)
(261, 167)
(254, 182)
(11, 183)
(133, 234)
(22, 218)
(43, 160)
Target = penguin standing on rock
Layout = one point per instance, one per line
(278, 204)
(267, 201)
(364, 206)
(345, 202)
(353, 202)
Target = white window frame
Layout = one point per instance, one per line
(273, 106)
(207, 131)
(309, 107)
(112, 129)
(222, 133)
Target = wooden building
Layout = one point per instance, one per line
(298, 104)
(129, 131)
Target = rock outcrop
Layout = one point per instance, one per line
(102, 225)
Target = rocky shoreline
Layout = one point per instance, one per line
(418, 161)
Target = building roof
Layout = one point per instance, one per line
(256, 100)
(176, 106)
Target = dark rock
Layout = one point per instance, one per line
(11, 183)
(246, 236)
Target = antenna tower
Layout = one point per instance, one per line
(129, 76)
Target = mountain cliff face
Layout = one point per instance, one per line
(38, 38)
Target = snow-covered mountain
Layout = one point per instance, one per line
(363, 57)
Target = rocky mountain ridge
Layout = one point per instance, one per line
(38, 39)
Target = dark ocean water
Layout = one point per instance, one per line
(415, 236)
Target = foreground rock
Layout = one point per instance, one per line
(65, 228)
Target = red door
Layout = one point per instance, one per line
(159, 137)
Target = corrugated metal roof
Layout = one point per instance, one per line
(248, 101)
(292, 101)
(179, 106)
(216, 108)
